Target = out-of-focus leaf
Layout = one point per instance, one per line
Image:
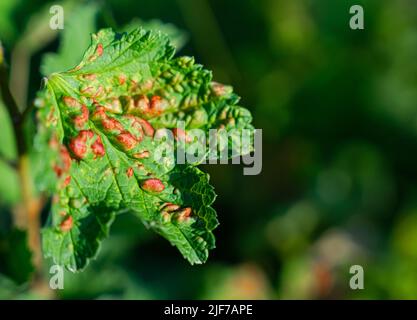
(76, 36)
(246, 281)
(7, 27)
(9, 184)
(15, 256)
(106, 281)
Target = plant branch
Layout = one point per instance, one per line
(11, 106)
(8, 99)
(35, 36)
(28, 216)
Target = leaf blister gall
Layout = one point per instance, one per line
(80, 121)
(152, 185)
(142, 155)
(99, 50)
(126, 140)
(78, 145)
(122, 79)
(129, 172)
(64, 159)
(67, 181)
(66, 224)
(98, 148)
(71, 102)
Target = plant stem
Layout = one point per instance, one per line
(28, 217)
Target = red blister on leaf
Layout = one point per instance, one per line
(153, 185)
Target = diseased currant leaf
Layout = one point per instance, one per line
(97, 131)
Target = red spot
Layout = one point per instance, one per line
(82, 119)
(106, 122)
(98, 148)
(166, 216)
(141, 126)
(155, 100)
(99, 49)
(323, 278)
(65, 158)
(142, 155)
(147, 127)
(57, 169)
(67, 181)
(51, 119)
(99, 112)
(78, 147)
(71, 102)
(141, 103)
(133, 84)
(153, 185)
(87, 90)
(66, 224)
(170, 207)
(78, 144)
(65, 162)
(180, 135)
(53, 142)
(135, 124)
(110, 124)
(147, 85)
(127, 140)
(129, 172)
(90, 76)
(99, 92)
(184, 214)
(156, 105)
(88, 134)
(122, 79)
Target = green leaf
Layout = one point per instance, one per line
(177, 36)
(97, 129)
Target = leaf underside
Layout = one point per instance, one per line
(96, 135)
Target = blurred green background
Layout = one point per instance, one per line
(338, 109)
